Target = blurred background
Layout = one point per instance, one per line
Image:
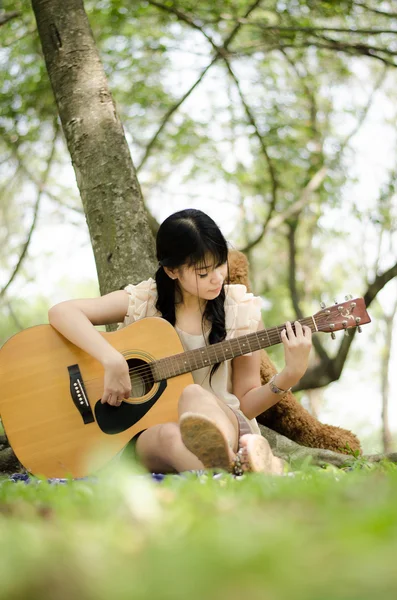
(277, 119)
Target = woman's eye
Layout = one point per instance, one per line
(202, 276)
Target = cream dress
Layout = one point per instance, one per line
(242, 316)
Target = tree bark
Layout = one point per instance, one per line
(8, 461)
(295, 454)
(121, 238)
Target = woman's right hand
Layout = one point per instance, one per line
(117, 383)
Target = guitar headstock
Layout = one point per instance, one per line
(342, 316)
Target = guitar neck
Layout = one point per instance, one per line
(189, 361)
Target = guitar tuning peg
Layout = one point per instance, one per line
(336, 302)
(346, 333)
(322, 304)
(348, 297)
(359, 329)
(333, 335)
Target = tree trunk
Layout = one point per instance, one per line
(122, 242)
(8, 461)
(385, 367)
(295, 454)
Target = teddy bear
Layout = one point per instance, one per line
(288, 417)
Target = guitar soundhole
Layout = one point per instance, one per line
(141, 377)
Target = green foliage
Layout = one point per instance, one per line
(323, 533)
(23, 313)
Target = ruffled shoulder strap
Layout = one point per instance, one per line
(142, 301)
(242, 311)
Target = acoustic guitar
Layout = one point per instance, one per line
(51, 389)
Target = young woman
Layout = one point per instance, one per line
(217, 426)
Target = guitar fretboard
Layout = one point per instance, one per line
(191, 360)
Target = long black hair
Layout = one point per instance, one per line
(187, 238)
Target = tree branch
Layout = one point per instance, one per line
(271, 169)
(219, 52)
(376, 10)
(295, 208)
(298, 28)
(354, 49)
(364, 112)
(342, 48)
(314, 183)
(5, 17)
(35, 215)
(170, 112)
(40, 184)
(379, 283)
(14, 316)
(326, 372)
(222, 51)
(321, 352)
(360, 48)
(173, 10)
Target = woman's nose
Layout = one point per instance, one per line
(217, 277)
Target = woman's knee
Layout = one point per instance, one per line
(154, 445)
(192, 390)
(169, 434)
(191, 394)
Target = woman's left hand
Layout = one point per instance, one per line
(297, 346)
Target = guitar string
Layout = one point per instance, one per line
(273, 338)
(208, 350)
(146, 369)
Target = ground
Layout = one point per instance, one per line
(316, 533)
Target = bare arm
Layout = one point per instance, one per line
(75, 319)
(256, 398)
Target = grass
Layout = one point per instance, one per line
(322, 534)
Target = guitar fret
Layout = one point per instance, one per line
(238, 344)
(167, 364)
(186, 363)
(257, 341)
(228, 353)
(205, 360)
(216, 354)
(171, 366)
(223, 352)
(192, 360)
(193, 355)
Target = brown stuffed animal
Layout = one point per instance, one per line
(288, 417)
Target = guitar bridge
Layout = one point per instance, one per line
(79, 394)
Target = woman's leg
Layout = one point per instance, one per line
(161, 449)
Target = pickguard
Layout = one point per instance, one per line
(115, 419)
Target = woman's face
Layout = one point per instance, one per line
(204, 280)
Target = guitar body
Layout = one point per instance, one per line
(39, 370)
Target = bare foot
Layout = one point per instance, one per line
(204, 439)
(255, 455)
